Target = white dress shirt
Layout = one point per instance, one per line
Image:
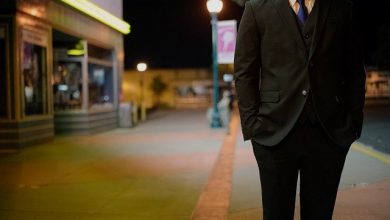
(308, 3)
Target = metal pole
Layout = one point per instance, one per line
(143, 109)
(216, 119)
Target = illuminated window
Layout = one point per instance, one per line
(67, 72)
(100, 85)
(100, 77)
(67, 85)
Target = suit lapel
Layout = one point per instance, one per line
(287, 14)
(323, 11)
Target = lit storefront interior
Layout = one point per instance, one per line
(83, 85)
(60, 72)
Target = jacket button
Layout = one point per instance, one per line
(304, 92)
(307, 36)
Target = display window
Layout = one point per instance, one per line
(34, 78)
(67, 78)
(100, 82)
(100, 77)
(81, 81)
(3, 72)
(67, 85)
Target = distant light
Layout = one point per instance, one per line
(75, 52)
(214, 6)
(228, 77)
(76, 95)
(63, 87)
(99, 14)
(142, 67)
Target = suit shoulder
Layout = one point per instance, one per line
(343, 6)
(257, 4)
(347, 3)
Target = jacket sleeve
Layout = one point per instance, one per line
(247, 65)
(356, 74)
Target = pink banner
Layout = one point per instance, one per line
(227, 33)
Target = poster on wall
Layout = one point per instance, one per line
(33, 70)
(227, 34)
(3, 73)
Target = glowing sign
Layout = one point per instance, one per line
(99, 14)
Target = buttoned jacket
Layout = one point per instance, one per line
(274, 71)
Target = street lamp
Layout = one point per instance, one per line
(141, 67)
(214, 7)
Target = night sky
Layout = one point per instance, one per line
(177, 33)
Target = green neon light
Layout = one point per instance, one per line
(99, 14)
(75, 52)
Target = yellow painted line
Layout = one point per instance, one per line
(370, 152)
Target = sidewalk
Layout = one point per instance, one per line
(364, 192)
(154, 171)
(171, 167)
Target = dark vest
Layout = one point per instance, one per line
(307, 32)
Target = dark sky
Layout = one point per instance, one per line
(177, 33)
(171, 33)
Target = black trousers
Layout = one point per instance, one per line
(306, 152)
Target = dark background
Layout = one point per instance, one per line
(177, 33)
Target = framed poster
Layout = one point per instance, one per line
(3, 71)
(34, 73)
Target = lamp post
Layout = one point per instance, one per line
(214, 7)
(141, 67)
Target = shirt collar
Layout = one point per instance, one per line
(292, 2)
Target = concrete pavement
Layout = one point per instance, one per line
(154, 171)
(165, 168)
(364, 192)
(376, 127)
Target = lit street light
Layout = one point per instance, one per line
(214, 7)
(141, 67)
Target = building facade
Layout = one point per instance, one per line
(377, 87)
(60, 69)
(185, 88)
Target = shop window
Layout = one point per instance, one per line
(34, 81)
(101, 84)
(3, 73)
(100, 77)
(67, 85)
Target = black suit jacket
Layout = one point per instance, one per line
(273, 68)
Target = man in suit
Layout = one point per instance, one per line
(300, 83)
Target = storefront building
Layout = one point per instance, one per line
(184, 88)
(61, 63)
